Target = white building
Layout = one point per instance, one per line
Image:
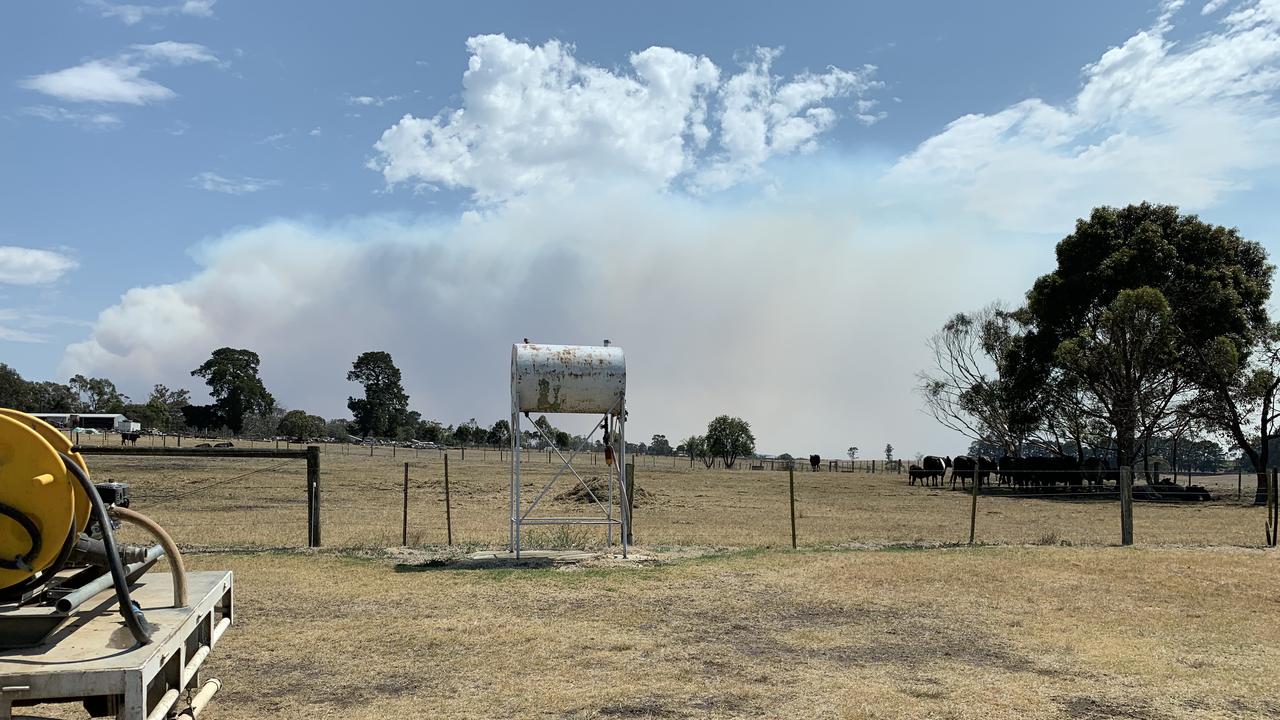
(96, 421)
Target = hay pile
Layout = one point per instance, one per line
(600, 487)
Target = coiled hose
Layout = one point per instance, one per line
(22, 562)
(132, 617)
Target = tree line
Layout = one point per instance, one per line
(241, 405)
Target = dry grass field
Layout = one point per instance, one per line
(880, 614)
(233, 503)
(987, 632)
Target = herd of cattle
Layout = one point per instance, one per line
(1042, 474)
(1017, 472)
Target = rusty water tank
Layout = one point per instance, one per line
(567, 378)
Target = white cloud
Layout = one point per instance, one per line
(213, 182)
(32, 266)
(1181, 123)
(534, 117)
(105, 81)
(1212, 7)
(118, 79)
(372, 100)
(176, 53)
(131, 14)
(315, 132)
(24, 325)
(98, 120)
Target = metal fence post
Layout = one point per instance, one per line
(404, 525)
(631, 499)
(313, 496)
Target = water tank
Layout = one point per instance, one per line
(567, 378)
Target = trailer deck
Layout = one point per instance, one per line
(93, 659)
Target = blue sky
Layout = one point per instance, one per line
(193, 170)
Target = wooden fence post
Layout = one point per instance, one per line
(313, 496)
(448, 513)
(973, 503)
(791, 483)
(404, 526)
(1126, 505)
(1274, 507)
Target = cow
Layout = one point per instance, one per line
(814, 461)
(935, 468)
(1098, 471)
(1008, 469)
(915, 472)
(129, 437)
(966, 468)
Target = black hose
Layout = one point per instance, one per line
(132, 618)
(22, 562)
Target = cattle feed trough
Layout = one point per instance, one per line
(574, 379)
(72, 600)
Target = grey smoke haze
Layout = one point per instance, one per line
(793, 312)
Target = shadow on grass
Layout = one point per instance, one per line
(438, 564)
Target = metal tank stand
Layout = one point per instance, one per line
(553, 379)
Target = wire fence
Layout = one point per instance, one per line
(384, 499)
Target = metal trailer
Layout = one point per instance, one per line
(94, 660)
(576, 379)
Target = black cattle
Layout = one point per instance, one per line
(934, 469)
(1008, 468)
(129, 437)
(965, 468)
(1098, 470)
(915, 472)
(814, 461)
(1044, 473)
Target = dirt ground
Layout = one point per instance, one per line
(987, 632)
(257, 503)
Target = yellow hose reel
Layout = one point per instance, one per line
(42, 507)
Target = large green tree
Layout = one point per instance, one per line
(165, 406)
(729, 438)
(299, 424)
(385, 406)
(237, 391)
(15, 392)
(1215, 282)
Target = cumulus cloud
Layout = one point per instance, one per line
(534, 117)
(1153, 119)
(131, 14)
(213, 182)
(32, 266)
(119, 79)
